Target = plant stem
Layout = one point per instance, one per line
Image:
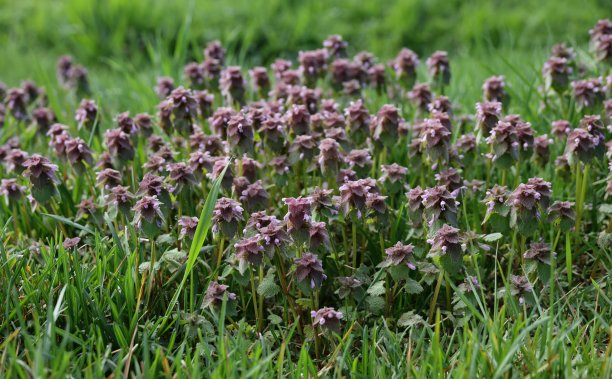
(434, 299)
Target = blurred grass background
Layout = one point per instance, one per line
(125, 44)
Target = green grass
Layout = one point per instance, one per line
(99, 315)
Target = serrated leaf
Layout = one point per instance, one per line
(412, 286)
(409, 319)
(268, 288)
(493, 237)
(275, 319)
(376, 304)
(377, 289)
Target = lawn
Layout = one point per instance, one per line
(280, 203)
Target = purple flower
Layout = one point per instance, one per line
(420, 96)
(439, 67)
(181, 175)
(119, 145)
(71, 243)
(587, 93)
(148, 209)
(488, 114)
(436, 138)
(538, 251)
(299, 213)
(232, 84)
(400, 254)
(108, 178)
(226, 216)
(249, 251)
(121, 198)
(309, 269)
(11, 190)
(335, 46)
(254, 196)
(79, 154)
(385, 126)
(439, 202)
(327, 318)
(214, 50)
(405, 65)
(318, 235)
(164, 87)
(562, 213)
(215, 294)
(353, 194)
(494, 89)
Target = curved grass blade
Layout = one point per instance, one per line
(199, 237)
(64, 220)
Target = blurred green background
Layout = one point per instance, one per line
(129, 40)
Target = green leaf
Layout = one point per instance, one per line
(493, 237)
(199, 237)
(376, 304)
(69, 222)
(268, 288)
(377, 289)
(410, 319)
(412, 286)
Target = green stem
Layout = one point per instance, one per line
(434, 299)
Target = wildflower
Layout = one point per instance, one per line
(318, 235)
(79, 154)
(587, 93)
(359, 160)
(335, 46)
(41, 173)
(254, 196)
(298, 119)
(376, 203)
(541, 148)
(164, 86)
(14, 160)
(436, 139)
(280, 164)
(71, 243)
(77, 79)
(494, 90)
(250, 167)
(87, 208)
(439, 67)
(393, 173)
(538, 251)
(420, 96)
(399, 254)
(438, 202)
(144, 124)
(214, 50)
(446, 244)
(561, 50)
(64, 66)
(525, 202)
(182, 176)
(279, 67)
(348, 285)
(249, 251)
(385, 125)
(345, 175)
(449, 178)
(415, 204)
(205, 101)
(17, 102)
(43, 118)
(260, 79)
(309, 269)
(405, 65)
(312, 65)
(488, 115)
(582, 144)
(329, 155)
(328, 318)
(353, 194)
(520, 286)
(215, 293)
(562, 213)
(233, 85)
(557, 73)
(218, 167)
(302, 148)
(11, 190)
(121, 198)
(194, 74)
(119, 145)
(273, 234)
(226, 216)
(441, 104)
(184, 109)
(357, 117)
(561, 128)
(299, 214)
(376, 77)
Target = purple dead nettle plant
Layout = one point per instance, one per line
(557, 72)
(494, 90)
(488, 115)
(79, 155)
(218, 166)
(41, 173)
(450, 179)
(215, 293)
(399, 254)
(438, 67)
(393, 177)
(148, 216)
(303, 149)
(273, 133)
(233, 85)
(359, 160)
(405, 65)
(447, 247)
(539, 252)
(415, 205)
(561, 129)
(43, 118)
(312, 65)
(17, 103)
(309, 271)
(327, 318)
(319, 237)
(439, 206)
(254, 196)
(520, 287)
(14, 160)
(541, 149)
(181, 176)
(11, 190)
(436, 140)
(335, 46)
(249, 251)
(298, 217)
(385, 125)
(297, 119)
(227, 216)
(250, 167)
(119, 198)
(353, 196)
(119, 146)
(420, 96)
(562, 214)
(240, 183)
(527, 202)
(329, 157)
(588, 93)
